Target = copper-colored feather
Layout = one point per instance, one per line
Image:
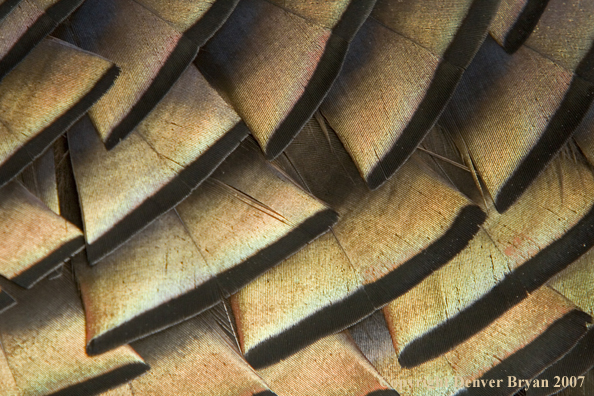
(43, 343)
(514, 22)
(401, 71)
(514, 113)
(446, 245)
(187, 135)
(385, 242)
(331, 366)
(26, 25)
(149, 48)
(43, 96)
(275, 61)
(514, 345)
(196, 358)
(243, 220)
(543, 233)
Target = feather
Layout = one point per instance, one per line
(349, 276)
(54, 242)
(565, 35)
(26, 25)
(42, 97)
(331, 366)
(152, 56)
(43, 343)
(314, 293)
(514, 22)
(446, 245)
(204, 360)
(575, 363)
(275, 61)
(183, 267)
(398, 76)
(514, 113)
(35, 240)
(198, 20)
(188, 134)
(40, 180)
(520, 250)
(156, 280)
(574, 283)
(512, 345)
(260, 215)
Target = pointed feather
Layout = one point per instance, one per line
(514, 113)
(40, 179)
(176, 147)
(574, 283)
(34, 239)
(240, 222)
(522, 342)
(249, 216)
(275, 65)
(151, 52)
(43, 96)
(26, 25)
(312, 294)
(195, 358)
(43, 341)
(402, 68)
(517, 252)
(331, 366)
(156, 280)
(198, 20)
(385, 242)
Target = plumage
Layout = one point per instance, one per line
(388, 261)
(33, 207)
(414, 201)
(149, 48)
(539, 236)
(308, 42)
(26, 25)
(333, 365)
(513, 114)
(575, 283)
(514, 22)
(43, 344)
(401, 71)
(188, 134)
(512, 345)
(196, 357)
(565, 35)
(192, 257)
(35, 240)
(43, 96)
